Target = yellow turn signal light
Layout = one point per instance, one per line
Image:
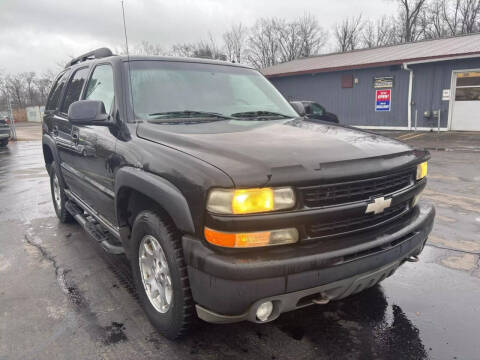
(251, 239)
(422, 170)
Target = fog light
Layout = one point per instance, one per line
(264, 311)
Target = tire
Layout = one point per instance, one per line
(58, 195)
(3, 143)
(174, 318)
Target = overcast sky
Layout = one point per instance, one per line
(36, 35)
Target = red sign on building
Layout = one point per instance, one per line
(383, 100)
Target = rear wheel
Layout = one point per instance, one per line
(3, 143)
(160, 274)
(58, 196)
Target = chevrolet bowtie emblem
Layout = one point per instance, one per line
(378, 205)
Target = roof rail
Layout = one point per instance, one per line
(94, 54)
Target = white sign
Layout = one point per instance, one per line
(383, 82)
(446, 95)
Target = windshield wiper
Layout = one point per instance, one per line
(189, 114)
(260, 114)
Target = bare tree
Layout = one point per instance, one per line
(263, 43)
(234, 40)
(378, 33)
(431, 22)
(203, 49)
(29, 78)
(470, 11)
(147, 48)
(43, 84)
(408, 19)
(312, 36)
(451, 15)
(289, 41)
(348, 34)
(15, 85)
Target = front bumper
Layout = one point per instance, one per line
(229, 287)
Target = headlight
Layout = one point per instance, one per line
(248, 201)
(422, 170)
(251, 239)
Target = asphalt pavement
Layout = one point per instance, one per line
(62, 297)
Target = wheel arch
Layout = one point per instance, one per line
(50, 155)
(136, 186)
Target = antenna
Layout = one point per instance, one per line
(128, 59)
(125, 31)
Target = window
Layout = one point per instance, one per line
(100, 87)
(317, 109)
(161, 86)
(468, 79)
(468, 94)
(55, 92)
(74, 88)
(468, 86)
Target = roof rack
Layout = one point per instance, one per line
(94, 54)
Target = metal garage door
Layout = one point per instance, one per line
(466, 106)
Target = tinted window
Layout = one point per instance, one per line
(74, 88)
(55, 92)
(100, 86)
(317, 109)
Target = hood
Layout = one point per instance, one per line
(254, 153)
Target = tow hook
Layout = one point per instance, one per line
(413, 258)
(321, 300)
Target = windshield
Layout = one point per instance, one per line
(165, 90)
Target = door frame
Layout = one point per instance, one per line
(453, 90)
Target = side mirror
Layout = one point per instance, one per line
(88, 112)
(299, 108)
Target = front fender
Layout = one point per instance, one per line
(163, 192)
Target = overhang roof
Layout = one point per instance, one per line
(381, 56)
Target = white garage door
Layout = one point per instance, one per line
(466, 106)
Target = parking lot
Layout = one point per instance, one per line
(62, 297)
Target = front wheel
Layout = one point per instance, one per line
(3, 143)
(160, 274)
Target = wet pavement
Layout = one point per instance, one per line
(62, 297)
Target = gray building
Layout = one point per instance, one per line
(399, 87)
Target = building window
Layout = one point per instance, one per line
(468, 86)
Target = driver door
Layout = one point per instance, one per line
(95, 147)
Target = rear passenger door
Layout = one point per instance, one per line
(65, 133)
(53, 102)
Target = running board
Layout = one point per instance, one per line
(92, 229)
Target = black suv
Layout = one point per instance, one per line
(228, 205)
